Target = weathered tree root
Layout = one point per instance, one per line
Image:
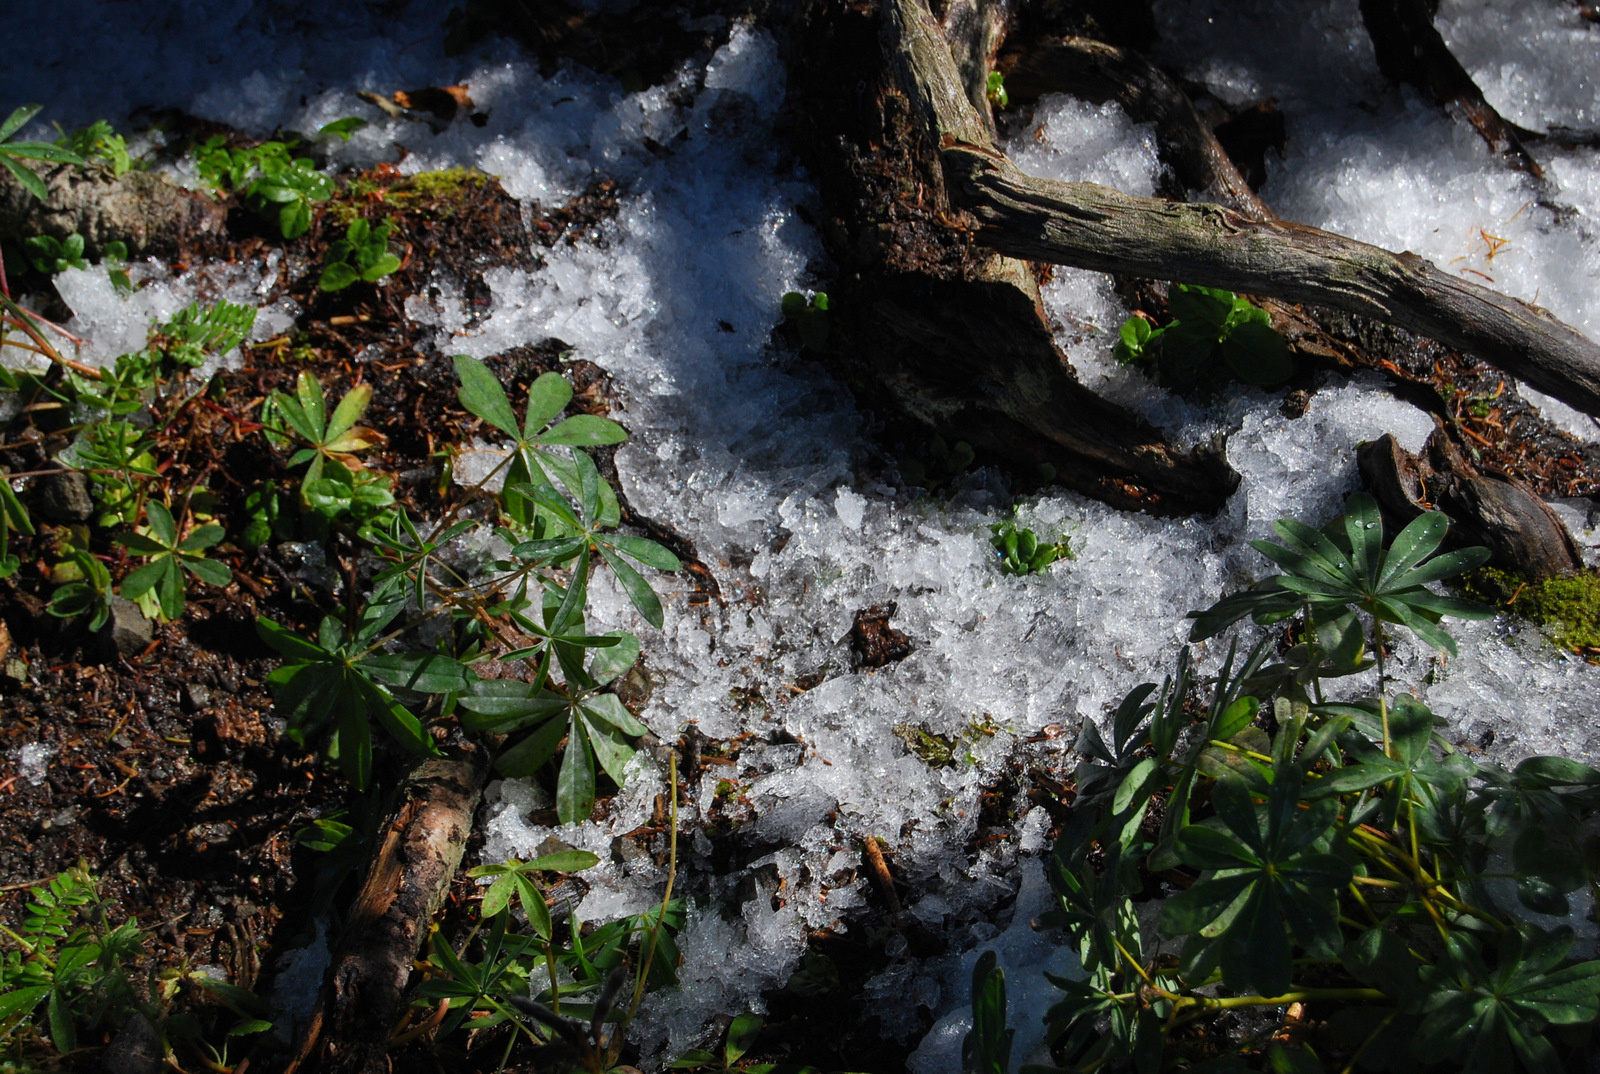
(1098, 72)
(1091, 226)
(930, 331)
(1411, 51)
(1520, 530)
(143, 210)
(417, 855)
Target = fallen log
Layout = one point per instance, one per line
(1087, 225)
(417, 854)
(143, 210)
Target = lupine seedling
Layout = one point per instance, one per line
(1021, 551)
(50, 255)
(995, 90)
(809, 314)
(99, 145)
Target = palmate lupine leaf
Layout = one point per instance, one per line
(1265, 876)
(1345, 567)
(532, 463)
(169, 558)
(1485, 1016)
(333, 681)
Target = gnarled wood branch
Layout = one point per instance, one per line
(417, 855)
(1091, 226)
(931, 331)
(1100, 72)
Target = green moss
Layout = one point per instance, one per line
(1568, 607)
(437, 193)
(936, 751)
(451, 184)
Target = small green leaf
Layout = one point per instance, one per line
(575, 782)
(585, 430)
(565, 861)
(18, 119)
(742, 1034)
(482, 395)
(1257, 354)
(609, 709)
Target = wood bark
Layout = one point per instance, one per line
(1098, 72)
(1091, 226)
(418, 852)
(1411, 50)
(145, 211)
(1521, 531)
(934, 334)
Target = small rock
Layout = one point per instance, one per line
(196, 697)
(66, 497)
(128, 629)
(136, 1049)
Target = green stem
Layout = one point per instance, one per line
(1383, 686)
(1304, 995)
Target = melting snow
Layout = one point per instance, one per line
(751, 453)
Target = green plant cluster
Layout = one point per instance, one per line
(558, 513)
(76, 971)
(362, 255)
(1335, 855)
(1021, 552)
(124, 409)
(270, 180)
(70, 977)
(809, 315)
(49, 255)
(1210, 330)
(535, 981)
(994, 89)
(99, 146)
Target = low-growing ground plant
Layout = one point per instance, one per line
(809, 314)
(557, 514)
(50, 255)
(268, 178)
(1244, 844)
(559, 986)
(100, 146)
(69, 978)
(1021, 552)
(1210, 330)
(361, 256)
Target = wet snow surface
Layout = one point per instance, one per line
(752, 453)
